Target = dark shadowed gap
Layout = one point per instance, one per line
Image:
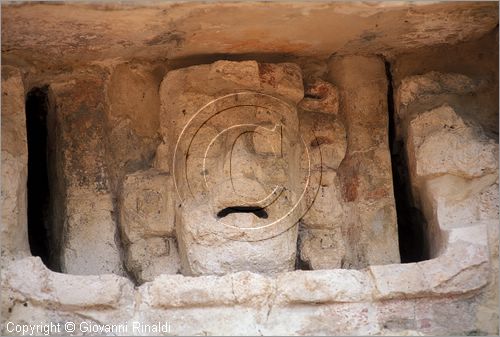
(299, 263)
(411, 222)
(258, 211)
(38, 182)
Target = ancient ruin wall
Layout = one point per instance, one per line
(271, 195)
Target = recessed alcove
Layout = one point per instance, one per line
(38, 176)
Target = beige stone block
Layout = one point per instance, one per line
(325, 286)
(439, 142)
(147, 205)
(322, 248)
(14, 165)
(370, 227)
(148, 258)
(432, 83)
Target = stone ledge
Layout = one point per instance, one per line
(461, 269)
(31, 281)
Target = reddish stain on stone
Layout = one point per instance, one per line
(266, 74)
(350, 188)
(378, 193)
(425, 323)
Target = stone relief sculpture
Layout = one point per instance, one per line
(241, 142)
(256, 168)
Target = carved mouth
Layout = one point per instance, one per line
(257, 211)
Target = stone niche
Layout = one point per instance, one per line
(278, 189)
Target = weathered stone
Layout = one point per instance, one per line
(221, 160)
(208, 244)
(321, 96)
(148, 258)
(322, 249)
(91, 247)
(147, 222)
(328, 286)
(432, 134)
(431, 277)
(203, 291)
(87, 220)
(267, 140)
(415, 87)
(14, 165)
(251, 172)
(453, 168)
(29, 280)
(303, 29)
(147, 205)
(370, 229)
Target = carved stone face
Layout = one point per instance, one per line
(244, 160)
(239, 186)
(236, 169)
(231, 160)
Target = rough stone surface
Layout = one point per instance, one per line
(433, 83)
(73, 33)
(369, 230)
(14, 165)
(119, 98)
(89, 244)
(321, 241)
(132, 119)
(150, 257)
(453, 168)
(440, 142)
(216, 166)
(321, 96)
(147, 207)
(147, 220)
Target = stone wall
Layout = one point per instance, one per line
(261, 194)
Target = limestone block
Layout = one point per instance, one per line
(148, 258)
(325, 136)
(320, 96)
(323, 286)
(322, 248)
(239, 241)
(147, 220)
(234, 144)
(85, 195)
(183, 93)
(133, 95)
(370, 229)
(14, 165)
(147, 205)
(174, 291)
(440, 142)
(454, 174)
(446, 274)
(433, 83)
(31, 281)
(90, 246)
